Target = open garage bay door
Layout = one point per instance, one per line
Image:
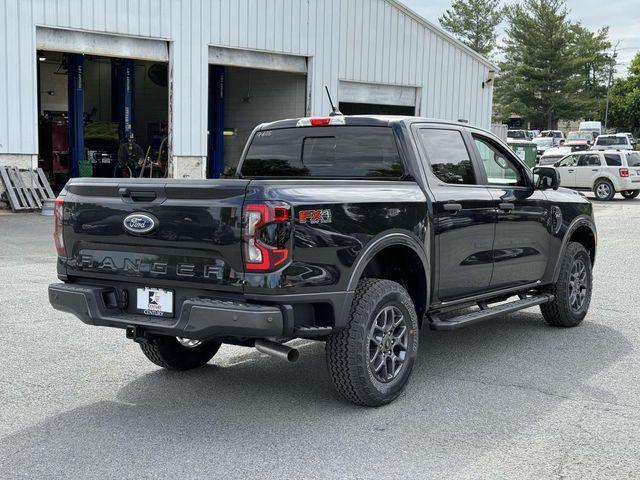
(248, 88)
(377, 99)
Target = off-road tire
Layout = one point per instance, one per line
(604, 184)
(167, 352)
(348, 350)
(630, 194)
(559, 313)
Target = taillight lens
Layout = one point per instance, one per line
(624, 172)
(321, 121)
(58, 220)
(266, 235)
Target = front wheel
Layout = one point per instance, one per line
(175, 353)
(371, 359)
(630, 194)
(604, 190)
(572, 291)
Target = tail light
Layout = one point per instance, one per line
(58, 220)
(266, 235)
(624, 172)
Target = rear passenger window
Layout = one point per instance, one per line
(589, 160)
(612, 159)
(448, 156)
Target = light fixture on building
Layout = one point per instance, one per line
(41, 58)
(490, 78)
(229, 132)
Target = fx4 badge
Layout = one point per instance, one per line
(314, 216)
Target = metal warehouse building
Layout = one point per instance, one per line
(187, 80)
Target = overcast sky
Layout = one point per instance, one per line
(622, 16)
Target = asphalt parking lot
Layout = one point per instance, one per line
(509, 398)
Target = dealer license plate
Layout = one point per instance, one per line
(155, 302)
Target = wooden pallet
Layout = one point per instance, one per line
(25, 189)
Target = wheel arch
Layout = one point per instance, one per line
(582, 230)
(605, 176)
(400, 257)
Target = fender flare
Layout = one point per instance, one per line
(581, 221)
(381, 242)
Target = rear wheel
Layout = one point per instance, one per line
(572, 291)
(175, 353)
(630, 194)
(604, 190)
(371, 359)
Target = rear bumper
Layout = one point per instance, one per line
(198, 318)
(629, 183)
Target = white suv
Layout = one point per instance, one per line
(619, 141)
(604, 172)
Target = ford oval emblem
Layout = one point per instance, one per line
(140, 223)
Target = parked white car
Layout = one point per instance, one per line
(542, 145)
(604, 172)
(552, 155)
(619, 141)
(557, 135)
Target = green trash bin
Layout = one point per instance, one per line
(85, 168)
(527, 151)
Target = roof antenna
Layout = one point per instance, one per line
(334, 110)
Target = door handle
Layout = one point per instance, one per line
(594, 169)
(507, 207)
(140, 196)
(570, 171)
(452, 207)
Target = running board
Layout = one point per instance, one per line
(486, 312)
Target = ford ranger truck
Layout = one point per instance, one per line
(353, 230)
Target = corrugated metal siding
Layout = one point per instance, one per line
(356, 40)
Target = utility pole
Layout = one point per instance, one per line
(613, 63)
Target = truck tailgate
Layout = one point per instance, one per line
(195, 236)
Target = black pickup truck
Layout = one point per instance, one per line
(354, 230)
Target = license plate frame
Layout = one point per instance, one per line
(155, 302)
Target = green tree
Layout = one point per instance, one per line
(538, 78)
(474, 22)
(592, 61)
(624, 107)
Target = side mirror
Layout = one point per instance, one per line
(557, 164)
(545, 178)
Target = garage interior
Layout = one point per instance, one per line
(241, 98)
(358, 98)
(101, 116)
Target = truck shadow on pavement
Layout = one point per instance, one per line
(480, 386)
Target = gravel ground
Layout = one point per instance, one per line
(509, 398)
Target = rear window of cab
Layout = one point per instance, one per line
(324, 152)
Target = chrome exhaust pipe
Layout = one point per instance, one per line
(277, 350)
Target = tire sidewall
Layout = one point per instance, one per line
(402, 301)
(581, 254)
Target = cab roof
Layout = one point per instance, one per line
(362, 120)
